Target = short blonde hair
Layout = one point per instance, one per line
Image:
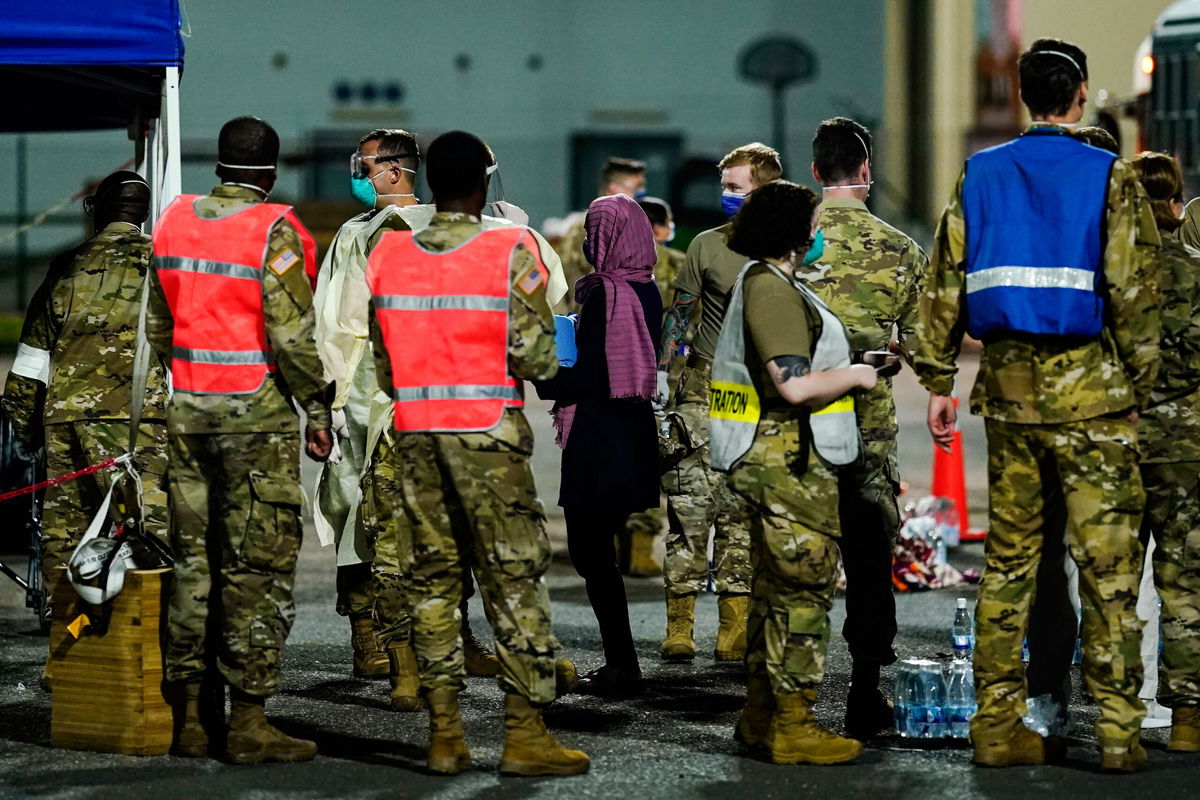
(763, 160)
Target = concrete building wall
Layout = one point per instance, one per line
(621, 66)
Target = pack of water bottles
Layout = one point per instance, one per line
(935, 700)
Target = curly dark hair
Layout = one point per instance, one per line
(776, 220)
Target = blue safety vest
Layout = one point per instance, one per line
(1034, 209)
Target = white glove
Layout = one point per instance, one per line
(335, 452)
(663, 391)
(338, 425)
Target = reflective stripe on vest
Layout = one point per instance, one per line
(211, 274)
(1034, 211)
(444, 320)
(733, 400)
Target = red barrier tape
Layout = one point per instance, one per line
(70, 476)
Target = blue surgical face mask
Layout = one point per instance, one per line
(731, 202)
(816, 250)
(363, 188)
(639, 194)
(671, 235)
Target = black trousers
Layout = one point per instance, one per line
(1053, 623)
(870, 522)
(591, 537)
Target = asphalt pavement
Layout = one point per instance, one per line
(673, 741)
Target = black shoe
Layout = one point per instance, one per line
(611, 682)
(868, 713)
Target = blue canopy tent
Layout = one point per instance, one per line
(87, 65)
(84, 65)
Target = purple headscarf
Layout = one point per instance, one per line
(620, 245)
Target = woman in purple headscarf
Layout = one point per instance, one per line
(606, 423)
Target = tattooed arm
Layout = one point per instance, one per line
(800, 386)
(675, 327)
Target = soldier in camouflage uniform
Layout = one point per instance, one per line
(869, 276)
(698, 498)
(617, 176)
(1169, 440)
(483, 479)
(234, 482)
(344, 340)
(790, 487)
(1057, 410)
(644, 527)
(72, 378)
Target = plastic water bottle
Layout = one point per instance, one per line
(960, 700)
(937, 540)
(962, 633)
(903, 696)
(928, 716)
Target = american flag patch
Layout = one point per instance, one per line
(283, 262)
(533, 279)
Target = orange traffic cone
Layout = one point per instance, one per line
(950, 481)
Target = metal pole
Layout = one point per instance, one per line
(22, 210)
(778, 124)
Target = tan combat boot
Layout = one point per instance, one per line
(190, 738)
(1185, 730)
(681, 619)
(642, 561)
(253, 740)
(732, 611)
(529, 749)
(1024, 747)
(565, 677)
(795, 737)
(447, 752)
(754, 722)
(1122, 756)
(402, 673)
(480, 660)
(369, 660)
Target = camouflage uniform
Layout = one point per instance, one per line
(793, 497)
(698, 498)
(870, 277)
(1055, 415)
(476, 491)
(666, 270)
(574, 265)
(385, 529)
(1169, 435)
(85, 317)
(234, 483)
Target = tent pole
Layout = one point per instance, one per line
(172, 184)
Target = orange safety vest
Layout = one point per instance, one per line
(444, 320)
(211, 274)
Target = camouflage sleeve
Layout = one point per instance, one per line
(941, 321)
(160, 325)
(383, 364)
(1131, 279)
(914, 267)
(1189, 234)
(291, 322)
(531, 351)
(24, 398)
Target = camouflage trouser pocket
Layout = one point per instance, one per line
(807, 638)
(272, 538)
(800, 556)
(522, 548)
